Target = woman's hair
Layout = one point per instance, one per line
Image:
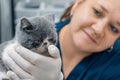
(67, 13)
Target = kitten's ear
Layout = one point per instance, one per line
(50, 17)
(26, 25)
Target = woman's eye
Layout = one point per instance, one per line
(114, 29)
(97, 12)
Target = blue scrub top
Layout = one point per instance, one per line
(99, 66)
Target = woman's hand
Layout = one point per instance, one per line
(26, 64)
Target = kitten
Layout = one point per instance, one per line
(34, 33)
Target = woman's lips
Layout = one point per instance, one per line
(89, 36)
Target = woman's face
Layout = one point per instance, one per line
(95, 24)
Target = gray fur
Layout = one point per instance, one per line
(34, 33)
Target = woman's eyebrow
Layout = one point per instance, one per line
(105, 9)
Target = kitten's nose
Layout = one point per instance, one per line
(45, 44)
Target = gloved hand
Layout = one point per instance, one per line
(28, 65)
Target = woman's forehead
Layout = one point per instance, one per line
(112, 4)
(113, 8)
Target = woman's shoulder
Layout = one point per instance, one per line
(99, 66)
(116, 46)
(112, 68)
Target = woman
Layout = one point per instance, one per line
(88, 42)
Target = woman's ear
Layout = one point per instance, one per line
(75, 5)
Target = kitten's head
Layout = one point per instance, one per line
(35, 32)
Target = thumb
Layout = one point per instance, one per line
(53, 51)
(61, 76)
(12, 76)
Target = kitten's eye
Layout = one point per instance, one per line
(50, 40)
(97, 12)
(114, 29)
(40, 40)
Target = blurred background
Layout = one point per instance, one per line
(12, 10)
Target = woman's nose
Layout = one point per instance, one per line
(99, 26)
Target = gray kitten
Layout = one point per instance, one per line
(34, 33)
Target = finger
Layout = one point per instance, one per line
(12, 76)
(13, 66)
(61, 76)
(20, 61)
(53, 51)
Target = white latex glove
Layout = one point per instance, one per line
(28, 65)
